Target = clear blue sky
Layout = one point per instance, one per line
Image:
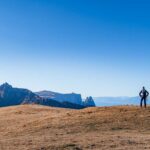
(92, 47)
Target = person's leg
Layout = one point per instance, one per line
(141, 102)
(145, 102)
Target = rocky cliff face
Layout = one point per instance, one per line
(72, 97)
(15, 96)
(89, 102)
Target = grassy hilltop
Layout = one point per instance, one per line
(36, 127)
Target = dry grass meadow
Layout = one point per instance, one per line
(35, 127)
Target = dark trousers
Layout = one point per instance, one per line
(143, 99)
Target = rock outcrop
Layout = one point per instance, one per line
(14, 96)
(72, 97)
(89, 102)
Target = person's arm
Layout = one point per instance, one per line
(147, 93)
(140, 94)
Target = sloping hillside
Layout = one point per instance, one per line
(36, 127)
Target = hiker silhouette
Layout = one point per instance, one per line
(143, 94)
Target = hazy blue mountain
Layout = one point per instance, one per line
(89, 102)
(112, 101)
(72, 97)
(14, 96)
(10, 96)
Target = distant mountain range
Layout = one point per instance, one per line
(112, 101)
(72, 98)
(15, 96)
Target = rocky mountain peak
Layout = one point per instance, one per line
(89, 102)
(5, 86)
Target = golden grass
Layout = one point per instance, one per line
(35, 127)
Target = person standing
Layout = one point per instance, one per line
(143, 94)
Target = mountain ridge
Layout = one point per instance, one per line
(67, 97)
(10, 95)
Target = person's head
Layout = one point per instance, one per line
(143, 88)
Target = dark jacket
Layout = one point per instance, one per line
(144, 94)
